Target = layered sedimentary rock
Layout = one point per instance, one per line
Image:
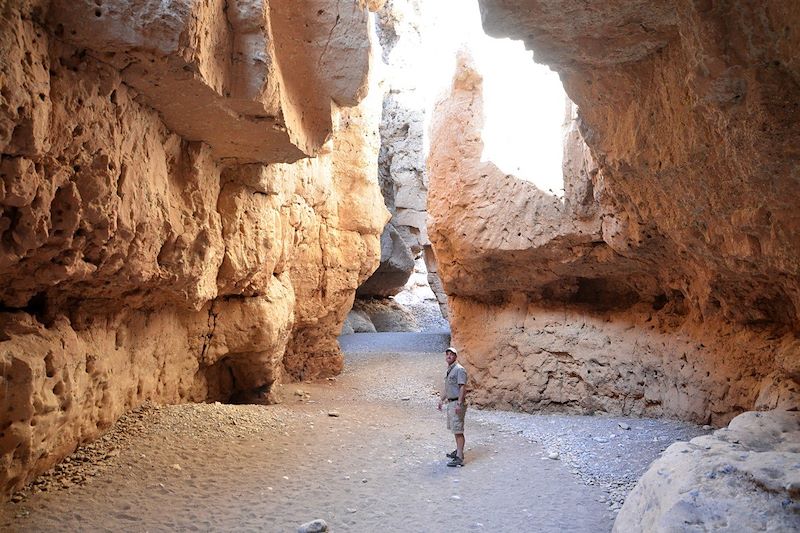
(736, 478)
(678, 295)
(405, 35)
(666, 281)
(188, 202)
(379, 315)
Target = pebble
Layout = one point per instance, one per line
(315, 526)
(334, 414)
(613, 468)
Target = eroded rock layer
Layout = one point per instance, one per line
(609, 300)
(188, 201)
(406, 34)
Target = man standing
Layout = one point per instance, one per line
(455, 387)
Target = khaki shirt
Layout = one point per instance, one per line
(456, 376)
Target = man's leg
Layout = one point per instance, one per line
(460, 445)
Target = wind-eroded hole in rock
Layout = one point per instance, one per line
(37, 307)
(233, 379)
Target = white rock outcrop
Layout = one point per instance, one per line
(745, 477)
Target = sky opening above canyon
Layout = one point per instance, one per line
(524, 102)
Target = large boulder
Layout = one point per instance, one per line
(744, 478)
(386, 315)
(397, 265)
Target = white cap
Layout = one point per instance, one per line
(451, 349)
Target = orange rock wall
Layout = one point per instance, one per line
(586, 304)
(690, 111)
(179, 221)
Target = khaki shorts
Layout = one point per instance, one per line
(455, 421)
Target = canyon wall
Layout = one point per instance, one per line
(399, 160)
(666, 281)
(407, 34)
(188, 202)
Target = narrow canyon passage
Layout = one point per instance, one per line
(594, 203)
(378, 465)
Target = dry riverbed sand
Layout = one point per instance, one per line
(364, 452)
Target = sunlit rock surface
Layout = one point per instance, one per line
(164, 233)
(551, 316)
(404, 29)
(678, 294)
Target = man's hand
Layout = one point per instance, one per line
(458, 408)
(440, 405)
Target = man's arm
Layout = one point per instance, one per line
(462, 391)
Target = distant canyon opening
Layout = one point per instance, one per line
(527, 120)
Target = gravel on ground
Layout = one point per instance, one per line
(364, 451)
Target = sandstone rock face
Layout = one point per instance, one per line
(552, 314)
(401, 159)
(579, 165)
(253, 80)
(736, 478)
(403, 32)
(692, 127)
(386, 315)
(685, 300)
(396, 265)
(163, 234)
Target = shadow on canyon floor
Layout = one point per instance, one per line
(364, 451)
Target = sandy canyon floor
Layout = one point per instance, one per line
(364, 451)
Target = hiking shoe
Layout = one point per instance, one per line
(457, 461)
(452, 455)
